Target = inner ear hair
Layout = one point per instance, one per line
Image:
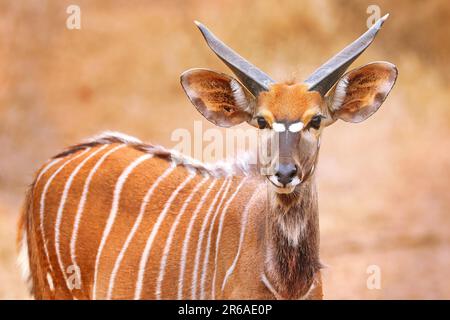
(241, 97)
(338, 96)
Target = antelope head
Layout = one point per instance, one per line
(296, 113)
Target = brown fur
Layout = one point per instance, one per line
(294, 268)
(243, 283)
(289, 103)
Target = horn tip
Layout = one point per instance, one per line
(377, 25)
(201, 27)
(382, 20)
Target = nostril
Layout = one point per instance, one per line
(285, 173)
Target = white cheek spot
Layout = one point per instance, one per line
(296, 127)
(309, 137)
(296, 181)
(278, 127)
(318, 143)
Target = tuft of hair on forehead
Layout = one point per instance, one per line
(292, 80)
(289, 102)
(295, 77)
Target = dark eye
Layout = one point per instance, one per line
(262, 123)
(315, 122)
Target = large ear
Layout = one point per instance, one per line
(218, 97)
(360, 92)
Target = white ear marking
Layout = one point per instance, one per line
(296, 127)
(278, 127)
(238, 94)
(339, 94)
(385, 88)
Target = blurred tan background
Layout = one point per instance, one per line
(383, 184)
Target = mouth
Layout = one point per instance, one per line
(279, 188)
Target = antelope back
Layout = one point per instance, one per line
(115, 218)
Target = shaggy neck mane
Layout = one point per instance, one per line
(241, 166)
(292, 241)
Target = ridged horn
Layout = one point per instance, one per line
(329, 73)
(251, 77)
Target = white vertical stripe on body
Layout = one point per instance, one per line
(151, 238)
(112, 215)
(208, 242)
(241, 240)
(42, 203)
(166, 250)
(187, 238)
(82, 203)
(200, 240)
(46, 168)
(135, 227)
(61, 209)
(219, 234)
(50, 282)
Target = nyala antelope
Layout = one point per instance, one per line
(114, 218)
